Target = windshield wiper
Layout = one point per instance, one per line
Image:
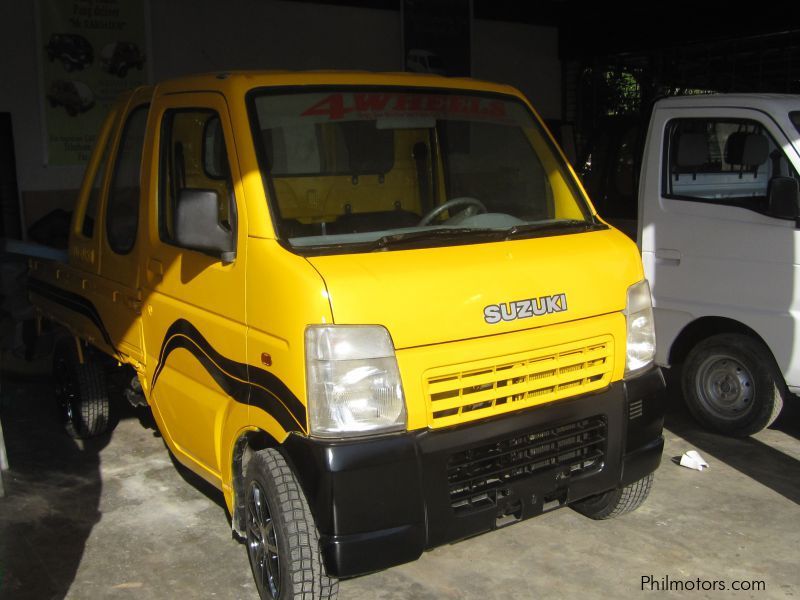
(440, 234)
(561, 226)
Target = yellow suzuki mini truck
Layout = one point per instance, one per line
(377, 311)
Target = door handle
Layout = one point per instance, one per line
(668, 257)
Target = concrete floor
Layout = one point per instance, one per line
(115, 518)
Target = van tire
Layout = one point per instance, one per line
(731, 384)
(616, 502)
(281, 537)
(81, 392)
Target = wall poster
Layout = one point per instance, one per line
(89, 52)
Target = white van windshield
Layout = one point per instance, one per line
(374, 169)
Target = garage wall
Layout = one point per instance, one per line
(189, 36)
(524, 56)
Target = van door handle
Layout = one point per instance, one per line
(668, 257)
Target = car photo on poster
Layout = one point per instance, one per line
(74, 51)
(118, 58)
(75, 96)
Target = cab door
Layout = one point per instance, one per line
(712, 245)
(117, 291)
(194, 303)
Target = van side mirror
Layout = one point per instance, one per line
(783, 196)
(197, 225)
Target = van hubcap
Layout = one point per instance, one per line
(725, 386)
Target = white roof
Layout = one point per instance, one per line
(771, 103)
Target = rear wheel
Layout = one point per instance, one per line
(282, 540)
(616, 502)
(731, 384)
(81, 391)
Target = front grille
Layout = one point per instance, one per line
(490, 387)
(476, 476)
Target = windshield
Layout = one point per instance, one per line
(357, 170)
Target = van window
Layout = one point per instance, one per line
(494, 163)
(193, 157)
(360, 169)
(89, 216)
(722, 161)
(347, 148)
(122, 211)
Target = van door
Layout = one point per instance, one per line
(117, 292)
(711, 244)
(194, 316)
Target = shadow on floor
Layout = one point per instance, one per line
(750, 456)
(52, 494)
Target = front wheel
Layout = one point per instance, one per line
(616, 502)
(81, 391)
(731, 384)
(282, 540)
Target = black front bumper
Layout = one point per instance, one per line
(381, 502)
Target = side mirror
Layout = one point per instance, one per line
(783, 196)
(197, 225)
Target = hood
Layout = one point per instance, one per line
(434, 295)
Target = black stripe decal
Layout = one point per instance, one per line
(73, 302)
(242, 382)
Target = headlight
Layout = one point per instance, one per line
(641, 331)
(354, 385)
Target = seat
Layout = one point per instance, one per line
(692, 152)
(747, 150)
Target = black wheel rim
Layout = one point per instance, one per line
(262, 543)
(725, 387)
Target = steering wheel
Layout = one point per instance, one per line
(461, 200)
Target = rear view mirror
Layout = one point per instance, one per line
(197, 224)
(783, 195)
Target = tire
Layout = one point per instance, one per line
(81, 392)
(616, 502)
(731, 384)
(282, 539)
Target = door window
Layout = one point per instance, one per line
(722, 161)
(122, 212)
(193, 157)
(90, 215)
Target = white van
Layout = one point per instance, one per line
(718, 230)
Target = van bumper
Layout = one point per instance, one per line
(380, 502)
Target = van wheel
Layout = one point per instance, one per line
(81, 392)
(282, 539)
(731, 384)
(616, 502)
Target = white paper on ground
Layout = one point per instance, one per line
(692, 460)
